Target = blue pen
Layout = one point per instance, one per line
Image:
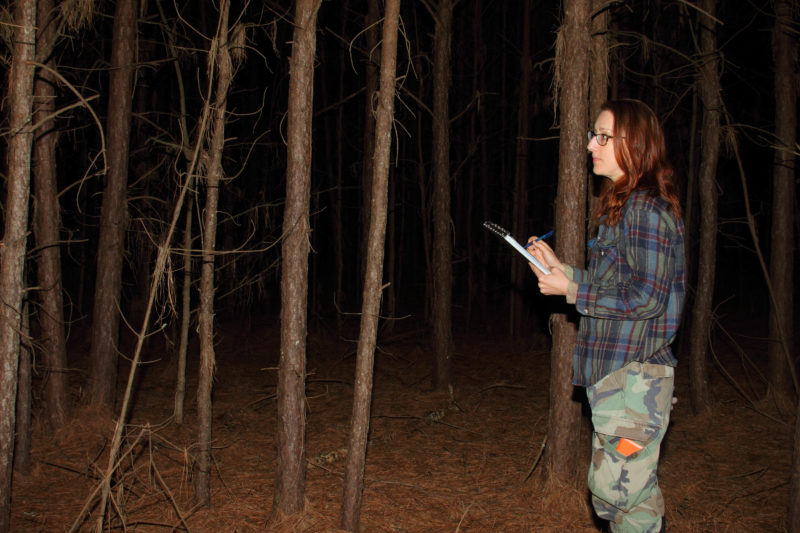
(546, 235)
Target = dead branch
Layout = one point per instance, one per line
(535, 462)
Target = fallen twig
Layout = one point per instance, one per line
(535, 462)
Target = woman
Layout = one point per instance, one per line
(630, 301)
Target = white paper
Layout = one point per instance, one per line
(527, 255)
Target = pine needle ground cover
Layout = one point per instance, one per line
(466, 461)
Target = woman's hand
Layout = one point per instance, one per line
(556, 283)
(542, 251)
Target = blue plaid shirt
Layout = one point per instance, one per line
(631, 296)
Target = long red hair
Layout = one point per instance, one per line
(640, 151)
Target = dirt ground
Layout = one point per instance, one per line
(435, 462)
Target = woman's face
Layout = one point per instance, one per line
(603, 160)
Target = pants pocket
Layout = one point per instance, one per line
(622, 481)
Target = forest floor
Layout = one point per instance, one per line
(435, 462)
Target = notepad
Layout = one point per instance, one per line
(506, 236)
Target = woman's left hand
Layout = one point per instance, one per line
(554, 284)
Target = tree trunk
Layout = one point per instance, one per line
(12, 252)
(474, 287)
(422, 158)
(393, 250)
(709, 86)
(362, 400)
(219, 59)
(782, 237)
(186, 289)
(690, 222)
(371, 33)
(519, 268)
(442, 234)
(483, 165)
(22, 444)
(337, 191)
(290, 474)
(47, 222)
(793, 515)
(186, 315)
(563, 432)
(113, 213)
(782, 252)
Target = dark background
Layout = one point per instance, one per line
(652, 54)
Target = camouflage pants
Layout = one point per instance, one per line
(630, 404)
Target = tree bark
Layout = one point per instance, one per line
(793, 515)
(12, 250)
(563, 446)
(473, 285)
(24, 409)
(186, 315)
(783, 195)
(221, 63)
(422, 170)
(518, 268)
(113, 213)
(709, 87)
(781, 250)
(362, 401)
(290, 474)
(337, 170)
(371, 34)
(47, 222)
(442, 234)
(483, 164)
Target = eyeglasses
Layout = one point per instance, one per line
(602, 138)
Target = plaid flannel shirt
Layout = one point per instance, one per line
(631, 296)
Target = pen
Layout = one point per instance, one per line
(546, 235)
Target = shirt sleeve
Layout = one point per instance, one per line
(575, 274)
(646, 269)
(572, 292)
(572, 289)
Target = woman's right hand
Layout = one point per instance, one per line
(542, 251)
(556, 283)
